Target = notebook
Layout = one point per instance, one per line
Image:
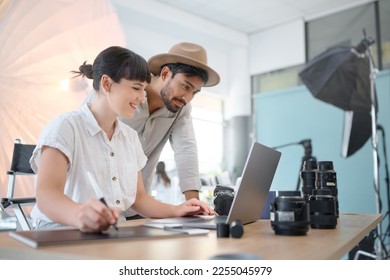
(249, 199)
(37, 238)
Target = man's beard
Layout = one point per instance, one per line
(172, 108)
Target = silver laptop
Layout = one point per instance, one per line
(249, 198)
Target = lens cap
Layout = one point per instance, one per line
(236, 229)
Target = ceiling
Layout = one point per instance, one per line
(249, 16)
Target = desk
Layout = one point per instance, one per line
(258, 239)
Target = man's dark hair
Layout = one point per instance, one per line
(188, 70)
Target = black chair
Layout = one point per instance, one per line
(20, 166)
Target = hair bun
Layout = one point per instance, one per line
(86, 70)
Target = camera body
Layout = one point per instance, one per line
(290, 214)
(223, 199)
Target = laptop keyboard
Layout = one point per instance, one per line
(215, 219)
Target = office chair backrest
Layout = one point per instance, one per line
(21, 158)
(20, 164)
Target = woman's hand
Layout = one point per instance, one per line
(95, 216)
(193, 207)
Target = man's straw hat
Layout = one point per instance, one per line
(185, 53)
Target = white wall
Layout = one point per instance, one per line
(277, 48)
(238, 101)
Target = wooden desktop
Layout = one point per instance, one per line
(259, 239)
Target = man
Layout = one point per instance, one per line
(166, 114)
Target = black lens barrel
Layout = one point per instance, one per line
(308, 178)
(290, 214)
(323, 209)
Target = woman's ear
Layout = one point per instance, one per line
(105, 83)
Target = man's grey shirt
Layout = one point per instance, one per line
(154, 131)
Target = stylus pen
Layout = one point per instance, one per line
(95, 187)
(105, 203)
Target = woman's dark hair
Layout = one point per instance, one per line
(161, 174)
(187, 70)
(117, 63)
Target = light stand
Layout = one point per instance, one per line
(373, 72)
(306, 143)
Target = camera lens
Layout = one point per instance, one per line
(308, 177)
(326, 179)
(326, 176)
(323, 209)
(236, 229)
(290, 214)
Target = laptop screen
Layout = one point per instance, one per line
(257, 177)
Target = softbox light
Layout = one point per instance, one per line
(341, 76)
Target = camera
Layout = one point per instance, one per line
(326, 178)
(290, 214)
(223, 199)
(323, 209)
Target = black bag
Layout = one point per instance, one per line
(223, 199)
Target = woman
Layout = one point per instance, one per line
(78, 149)
(161, 185)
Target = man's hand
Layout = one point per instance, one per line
(193, 207)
